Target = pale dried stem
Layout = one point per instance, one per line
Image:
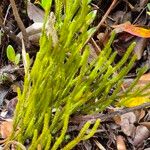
(19, 22)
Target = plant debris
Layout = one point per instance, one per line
(121, 128)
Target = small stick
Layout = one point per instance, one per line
(6, 14)
(139, 15)
(19, 22)
(97, 49)
(124, 111)
(106, 117)
(106, 15)
(102, 20)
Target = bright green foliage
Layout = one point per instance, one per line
(61, 82)
(10, 53)
(46, 4)
(148, 6)
(12, 56)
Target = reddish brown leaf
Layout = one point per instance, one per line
(133, 29)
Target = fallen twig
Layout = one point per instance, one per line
(19, 22)
(106, 15)
(103, 19)
(105, 117)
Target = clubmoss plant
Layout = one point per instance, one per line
(62, 82)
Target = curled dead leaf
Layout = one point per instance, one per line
(141, 134)
(140, 114)
(127, 123)
(133, 29)
(6, 128)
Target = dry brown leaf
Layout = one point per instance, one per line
(120, 143)
(144, 80)
(146, 124)
(131, 117)
(117, 119)
(6, 128)
(128, 129)
(141, 44)
(103, 38)
(35, 13)
(141, 134)
(10, 107)
(34, 32)
(139, 114)
(147, 149)
(127, 123)
(145, 77)
(142, 3)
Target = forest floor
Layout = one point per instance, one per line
(129, 128)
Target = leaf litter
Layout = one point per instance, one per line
(128, 131)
